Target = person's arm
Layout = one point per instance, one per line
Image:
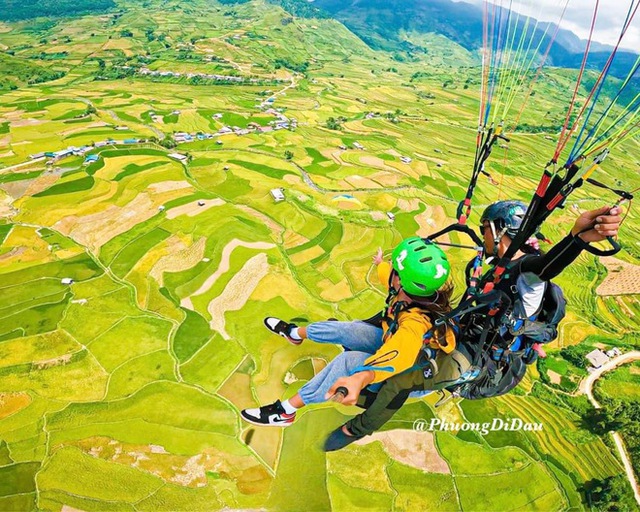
(603, 222)
(384, 271)
(400, 350)
(397, 354)
(559, 257)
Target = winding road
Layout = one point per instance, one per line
(586, 386)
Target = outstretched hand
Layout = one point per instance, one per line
(355, 383)
(378, 258)
(603, 222)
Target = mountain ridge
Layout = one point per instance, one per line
(383, 20)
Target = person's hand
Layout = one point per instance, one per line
(377, 259)
(603, 222)
(355, 383)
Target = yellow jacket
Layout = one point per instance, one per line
(401, 349)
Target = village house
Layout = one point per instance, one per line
(178, 156)
(277, 194)
(597, 358)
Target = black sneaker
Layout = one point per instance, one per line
(338, 440)
(272, 415)
(281, 328)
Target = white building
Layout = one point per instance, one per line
(405, 160)
(597, 358)
(357, 145)
(178, 156)
(67, 280)
(391, 216)
(614, 352)
(277, 194)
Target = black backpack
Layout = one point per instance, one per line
(496, 378)
(498, 375)
(554, 308)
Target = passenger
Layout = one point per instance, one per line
(376, 349)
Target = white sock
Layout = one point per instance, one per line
(288, 408)
(294, 335)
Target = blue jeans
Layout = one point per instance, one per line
(361, 341)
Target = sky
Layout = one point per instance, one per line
(611, 15)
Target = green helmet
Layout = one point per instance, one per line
(421, 266)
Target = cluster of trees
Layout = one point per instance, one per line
(335, 123)
(7, 85)
(46, 76)
(622, 416)
(612, 494)
(532, 128)
(152, 36)
(14, 11)
(15, 71)
(300, 67)
(300, 8)
(64, 39)
(167, 142)
(394, 115)
(576, 355)
(418, 75)
(115, 73)
(51, 56)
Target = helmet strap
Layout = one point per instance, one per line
(393, 292)
(418, 300)
(497, 236)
